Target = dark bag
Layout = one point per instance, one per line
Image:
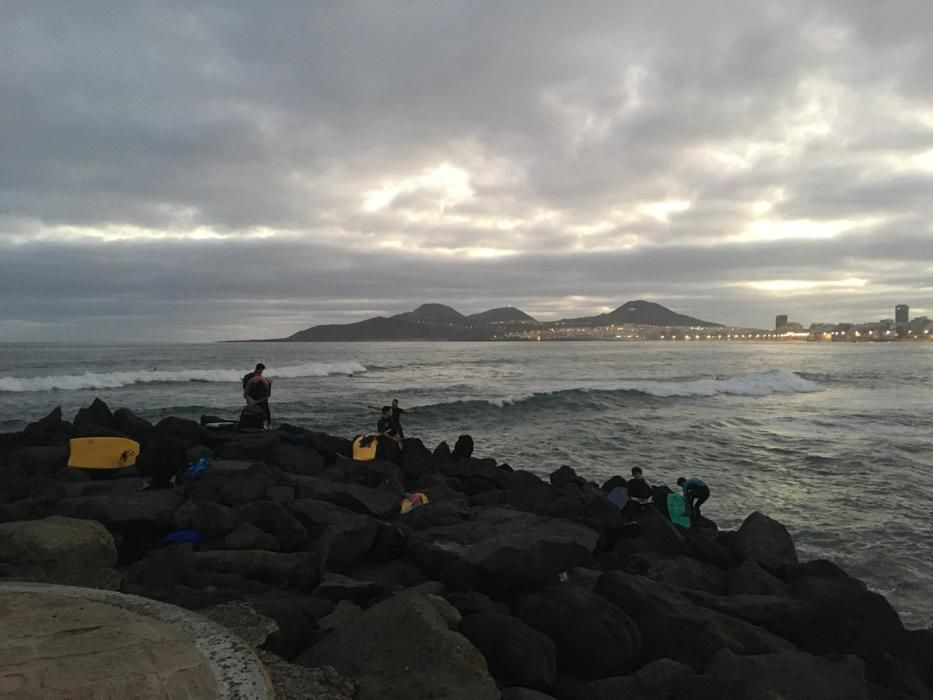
(252, 418)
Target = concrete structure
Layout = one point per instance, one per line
(902, 313)
(66, 642)
(780, 321)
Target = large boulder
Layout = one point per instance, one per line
(188, 431)
(655, 680)
(405, 646)
(791, 674)
(50, 423)
(212, 519)
(673, 627)
(41, 461)
(259, 447)
(593, 637)
(248, 536)
(271, 567)
(766, 542)
(345, 541)
(517, 655)
(91, 419)
(416, 460)
(502, 549)
(128, 423)
(141, 511)
(57, 542)
(751, 579)
(678, 572)
(275, 520)
(377, 502)
(245, 486)
(298, 459)
(647, 530)
(463, 448)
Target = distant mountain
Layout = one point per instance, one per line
(394, 328)
(440, 322)
(640, 312)
(433, 313)
(504, 314)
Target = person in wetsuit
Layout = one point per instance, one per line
(387, 433)
(696, 493)
(639, 490)
(397, 412)
(257, 391)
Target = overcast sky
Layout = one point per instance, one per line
(212, 170)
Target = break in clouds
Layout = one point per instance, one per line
(223, 170)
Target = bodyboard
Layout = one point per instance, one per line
(367, 452)
(102, 453)
(677, 509)
(619, 496)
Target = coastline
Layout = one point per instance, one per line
(508, 579)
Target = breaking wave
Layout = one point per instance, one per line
(761, 384)
(116, 380)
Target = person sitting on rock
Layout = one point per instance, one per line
(387, 433)
(696, 493)
(639, 490)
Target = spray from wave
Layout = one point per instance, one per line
(760, 384)
(116, 380)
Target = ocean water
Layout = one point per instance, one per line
(833, 440)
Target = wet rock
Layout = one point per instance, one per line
(767, 542)
(517, 655)
(404, 646)
(648, 531)
(296, 619)
(416, 460)
(150, 512)
(594, 638)
(442, 453)
(243, 487)
(473, 602)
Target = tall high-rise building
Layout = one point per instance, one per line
(780, 322)
(902, 313)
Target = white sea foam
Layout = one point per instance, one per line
(761, 384)
(115, 380)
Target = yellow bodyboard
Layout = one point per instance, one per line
(364, 454)
(103, 453)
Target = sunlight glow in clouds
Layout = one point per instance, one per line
(662, 210)
(793, 286)
(446, 183)
(776, 229)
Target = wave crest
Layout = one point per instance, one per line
(759, 384)
(117, 380)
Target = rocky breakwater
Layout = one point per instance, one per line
(503, 585)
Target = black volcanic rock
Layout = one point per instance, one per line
(503, 314)
(640, 312)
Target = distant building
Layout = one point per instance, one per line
(780, 322)
(902, 313)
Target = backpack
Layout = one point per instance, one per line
(246, 378)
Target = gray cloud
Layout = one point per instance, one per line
(564, 137)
